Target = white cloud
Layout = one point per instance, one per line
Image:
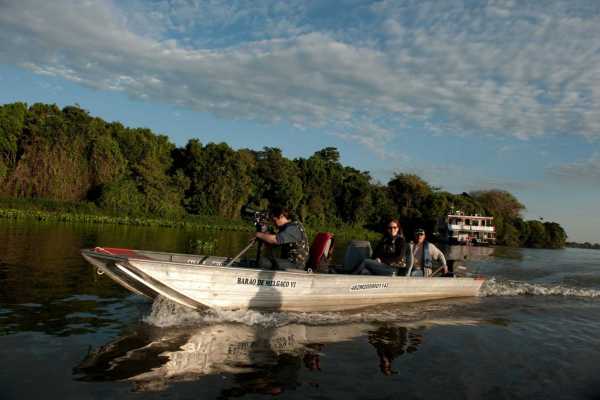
(366, 69)
(586, 171)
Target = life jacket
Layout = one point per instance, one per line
(426, 261)
(297, 252)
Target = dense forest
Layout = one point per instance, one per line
(68, 155)
(584, 245)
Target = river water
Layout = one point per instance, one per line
(67, 333)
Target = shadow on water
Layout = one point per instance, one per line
(273, 369)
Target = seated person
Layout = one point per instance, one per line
(290, 237)
(424, 253)
(391, 255)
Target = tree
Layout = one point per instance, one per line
(537, 234)
(278, 179)
(410, 194)
(46, 152)
(219, 178)
(499, 202)
(556, 237)
(12, 121)
(353, 200)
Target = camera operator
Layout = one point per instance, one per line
(290, 237)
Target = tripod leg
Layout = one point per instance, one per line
(234, 259)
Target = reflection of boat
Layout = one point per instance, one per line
(153, 359)
(205, 281)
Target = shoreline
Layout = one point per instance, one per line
(193, 222)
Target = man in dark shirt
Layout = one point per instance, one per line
(290, 237)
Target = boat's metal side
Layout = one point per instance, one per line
(157, 286)
(107, 265)
(199, 286)
(121, 271)
(241, 288)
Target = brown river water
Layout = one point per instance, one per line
(68, 333)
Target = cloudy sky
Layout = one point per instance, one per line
(467, 94)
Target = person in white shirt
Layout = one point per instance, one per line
(424, 253)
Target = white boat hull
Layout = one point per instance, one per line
(198, 282)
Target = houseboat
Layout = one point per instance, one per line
(457, 228)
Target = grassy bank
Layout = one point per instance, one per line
(55, 211)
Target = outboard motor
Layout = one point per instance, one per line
(356, 252)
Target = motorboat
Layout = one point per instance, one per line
(201, 282)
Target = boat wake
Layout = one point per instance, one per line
(492, 287)
(166, 314)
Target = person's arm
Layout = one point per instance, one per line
(267, 237)
(410, 259)
(436, 254)
(289, 234)
(408, 255)
(378, 252)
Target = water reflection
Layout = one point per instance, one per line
(261, 359)
(250, 358)
(393, 341)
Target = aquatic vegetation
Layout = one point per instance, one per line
(189, 221)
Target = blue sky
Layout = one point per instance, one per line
(469, 95)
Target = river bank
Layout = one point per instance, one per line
(88, 213)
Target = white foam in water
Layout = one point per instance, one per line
(515, 288)
(166, 313)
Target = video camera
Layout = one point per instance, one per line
(261, 219)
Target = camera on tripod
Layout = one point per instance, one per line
(261, 219)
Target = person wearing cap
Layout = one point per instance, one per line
(424, 253)
(291, 238)
(392, 255)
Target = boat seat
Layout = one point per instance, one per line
(356, 252)
(321, 252)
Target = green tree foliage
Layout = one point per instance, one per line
(123, 197)
(51, 151)
(556, 236)
(219, 178)
(499, 202)
(411, 195)
(353, 197)
(537, 234)
(67, 155)
(12, 120)
(319, 175)
(506, 210)
(277, 179)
